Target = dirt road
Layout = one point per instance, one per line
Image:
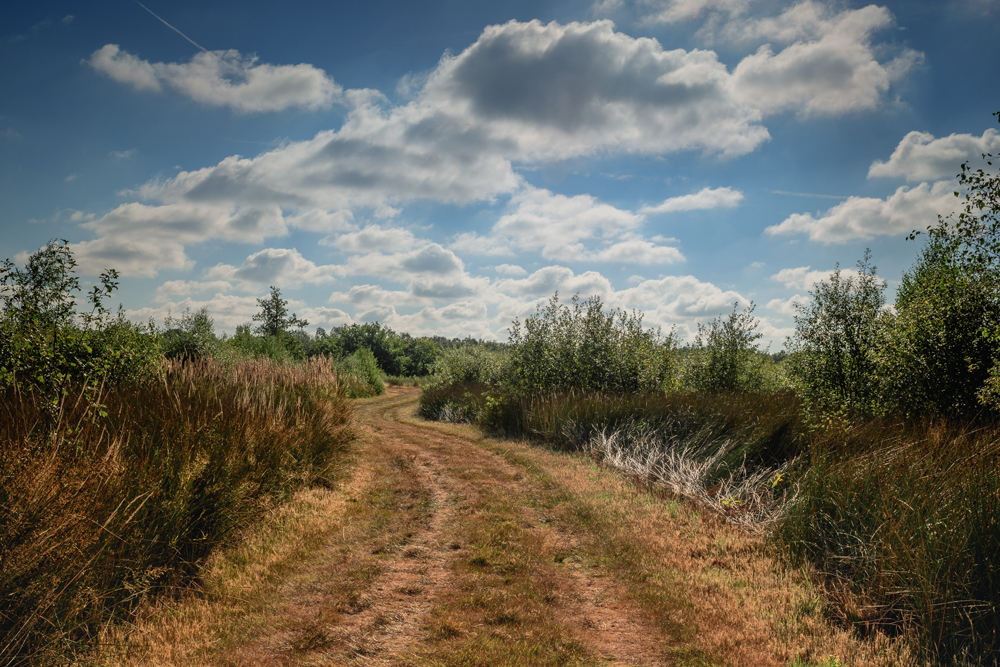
(441, 547)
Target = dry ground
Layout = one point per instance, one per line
(441, 547)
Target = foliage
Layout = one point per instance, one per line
(361, 374)
(964, 291)
(836, 337)
(190, 337)
(580, 346)
(477, 364)
(726, 356)
(46, 345)
(934, 356)
(273, 316)
(98, 515)
(396, 354)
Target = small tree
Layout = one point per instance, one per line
(836, 337)
(726, 356)
(273, 316)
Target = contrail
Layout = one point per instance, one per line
(171, 27)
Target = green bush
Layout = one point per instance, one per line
(580, 346)
(190, 337)
(725, 355)
(834, 348)
(362, 375)
(476, 364)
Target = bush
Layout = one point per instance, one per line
(190, 337)
(46, 346)
(934, 357)
(362, 375)
(580, 346)
(834, 348)
(476, 364)
(726, 357)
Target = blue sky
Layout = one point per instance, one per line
(442, 167)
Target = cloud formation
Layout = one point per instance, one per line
(707, 198)
(921, 157)
(866, 217)
(223, 78)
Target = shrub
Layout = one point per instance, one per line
(833, 350)
(190, 337)
(580, 346)
(726, 357)
(362, 374)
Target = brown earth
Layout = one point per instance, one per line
(442, 547)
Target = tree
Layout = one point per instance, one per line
(726, 357)
(836, 337)
(273, 316)
(950, 305)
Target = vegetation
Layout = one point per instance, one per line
(870, 450)
(97, 515)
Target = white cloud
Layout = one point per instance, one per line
(373, 237)
(707, 198)
(223, 78)
(921, 157)
(677, 11)
(174, 289)
(865, 217)
(546, 281)
(510, 270)
(557, 225)
(130, 256)
(636, 251)
(787, 306)
(834, 72)
(552, 91)
(227, 310)
(284, 267)
(804, 278)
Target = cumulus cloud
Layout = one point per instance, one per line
(787, 306)
(174, 289)
(276, 266)
(510, 270)
(707, 198)
(223, 78)
(140, 240)
(561, 228)
(803, 277)
(372, 238)
(866, 217)
(830, 69)
(921, 157)
(555, 91)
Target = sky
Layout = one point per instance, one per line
(443, 167)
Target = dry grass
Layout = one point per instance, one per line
(100, 513)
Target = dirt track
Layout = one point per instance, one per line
(425, 562)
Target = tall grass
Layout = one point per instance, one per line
(905, 520)
(100, 512)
